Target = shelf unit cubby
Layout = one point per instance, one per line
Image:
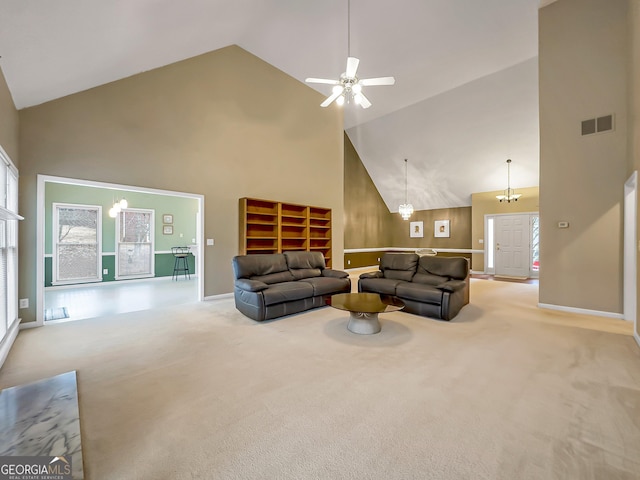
(274, 227)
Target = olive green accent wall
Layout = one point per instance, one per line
(367, 221)
(459, 229)
(9, 122)
(369, 224)
(485, 203)
(583, 57)
(224, 124)
(183, 209)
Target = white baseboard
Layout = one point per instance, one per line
(582, 311)
(637, 337)
(7, 343)
(222, 296)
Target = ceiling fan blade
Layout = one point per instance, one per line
(322, 80)
(332, 97)
(352, 67)
(364, 101)
(377, 81)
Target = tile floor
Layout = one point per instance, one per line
(96, 300)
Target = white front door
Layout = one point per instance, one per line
(512, 245)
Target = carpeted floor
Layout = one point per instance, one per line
(505, 391)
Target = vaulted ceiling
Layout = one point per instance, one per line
(465, 97)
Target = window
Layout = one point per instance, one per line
(8, 244)
(76, 243)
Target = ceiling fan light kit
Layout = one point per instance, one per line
(349, 87)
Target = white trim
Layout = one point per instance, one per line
(40, 208)
(8, 214)
(582, 311)
(637, 337)
(401, 249)
(113, 254)
(25, 326)
(7, 342)
(220, 296)
(630, 229)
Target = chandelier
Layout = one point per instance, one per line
(406, 209)
(118, 206)
(509, 195)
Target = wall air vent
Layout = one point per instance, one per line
(597, 125)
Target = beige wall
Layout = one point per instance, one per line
(485, 203)
(367, 221)
(583, 60)
(8, 122)
(224, 124)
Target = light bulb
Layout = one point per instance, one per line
(124, 203)
(357, 88)
(117, 207)
(337, 89)
(112, 213)
(340, 100)
(357, 98)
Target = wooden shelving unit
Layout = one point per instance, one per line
(274, 227)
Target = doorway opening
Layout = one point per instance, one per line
(135, 235)
(512, 245)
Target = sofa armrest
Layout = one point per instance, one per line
(250, 285)
(328, 272)
(377, 274)
(452, 285)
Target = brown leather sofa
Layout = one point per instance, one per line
(436, 287)
(272, 285)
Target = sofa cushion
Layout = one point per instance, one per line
(301, 273)
(429, 279)
(420, 293)
(328, 285)
(379, 285)
(272, 278)
(287, 291)
(453, 267)
(399, 266)
(304, 260)
(251, 266)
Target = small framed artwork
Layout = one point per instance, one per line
(167, 218)
(441, 228)
(416, 229)
(167, 229)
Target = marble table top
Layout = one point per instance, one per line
(42, 419)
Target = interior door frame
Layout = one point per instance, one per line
(488, 245)
(630, 268)
(40, 234)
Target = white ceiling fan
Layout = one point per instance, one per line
(349, 86)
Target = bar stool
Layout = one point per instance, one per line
(181, 262)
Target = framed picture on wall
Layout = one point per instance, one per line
(167, 218)
(167, 229)
(441, 228)
(416, 229)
